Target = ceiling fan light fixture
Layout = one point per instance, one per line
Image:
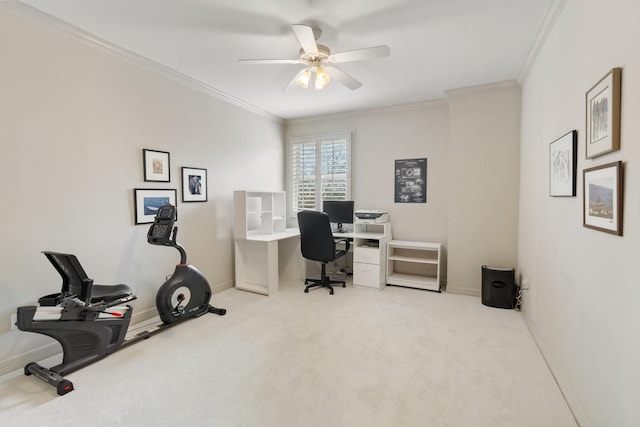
(322, 78)
(304, 78)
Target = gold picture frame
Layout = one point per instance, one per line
(603, 115)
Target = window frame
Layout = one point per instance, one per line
(317, 140)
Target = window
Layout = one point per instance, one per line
(319, 169)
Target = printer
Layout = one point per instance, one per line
(367, 216)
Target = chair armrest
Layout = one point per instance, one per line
(346, 242)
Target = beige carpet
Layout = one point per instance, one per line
(357, 358)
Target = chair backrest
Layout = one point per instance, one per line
(74, 278)
(316, 238)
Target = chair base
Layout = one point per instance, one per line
(326, 283)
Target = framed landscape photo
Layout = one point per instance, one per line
(147, 201)
(156, 165)
(194, 184)
(603, 115)
(602, 206)
(563, 158)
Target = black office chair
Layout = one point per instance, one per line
(317, 244)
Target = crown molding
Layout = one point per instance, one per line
(488, 87)
(437, 103)
(548, 23)
(32, 14)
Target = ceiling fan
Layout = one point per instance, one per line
(319, 60)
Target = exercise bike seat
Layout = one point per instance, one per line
(110, 293)
(76, 282)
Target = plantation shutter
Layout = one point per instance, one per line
(334, 161)
(303, 175)
(320, 169)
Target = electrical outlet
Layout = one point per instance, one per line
(14, 320)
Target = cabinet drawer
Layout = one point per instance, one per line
(366, 275)
(368, 255)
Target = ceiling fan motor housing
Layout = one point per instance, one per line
(323, 53)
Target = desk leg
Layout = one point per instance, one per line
(257, 266)
(272, 266)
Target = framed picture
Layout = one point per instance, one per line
(156, 165)
(603, 198)
(563, 158)
(194, 184)
(603, 115)
(411, 181)
(147, 201)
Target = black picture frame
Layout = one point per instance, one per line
(156, 165)
(563, 161)
(146, 202)
(411, 181)
(194, 184)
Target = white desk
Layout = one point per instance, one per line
(258, 260)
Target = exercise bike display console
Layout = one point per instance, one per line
(91, 321)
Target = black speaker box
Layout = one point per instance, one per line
(498, 287)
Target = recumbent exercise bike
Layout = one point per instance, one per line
(91, 321)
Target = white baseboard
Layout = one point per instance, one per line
(18, 362)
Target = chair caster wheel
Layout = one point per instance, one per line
(306, 290)
(331, 292)
(344, 285)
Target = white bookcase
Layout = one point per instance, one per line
(369, 254)
(414, 264)
(258, 213)
(260, 236)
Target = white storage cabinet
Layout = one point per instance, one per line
(369, 254)
(414, 264)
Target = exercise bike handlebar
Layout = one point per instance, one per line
(178, 246)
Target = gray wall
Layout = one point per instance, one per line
(74, 118)
(583, 283)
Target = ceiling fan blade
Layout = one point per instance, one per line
(305, 36)
(269, 61)
(360, 54)
(292, 83)
(343, 78)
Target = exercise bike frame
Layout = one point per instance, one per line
(90, 330)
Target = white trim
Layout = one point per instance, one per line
(366, 112)
(488, 87)
(34, 15)
(19, 361)
(316, 140)
(547, 25)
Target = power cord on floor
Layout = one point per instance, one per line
(517, 300)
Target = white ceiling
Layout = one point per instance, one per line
(435, 45)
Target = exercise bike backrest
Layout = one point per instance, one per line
(163, 233)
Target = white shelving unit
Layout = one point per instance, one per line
(369, 254)
(260, 234)
(258, 213)
(414, 264)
